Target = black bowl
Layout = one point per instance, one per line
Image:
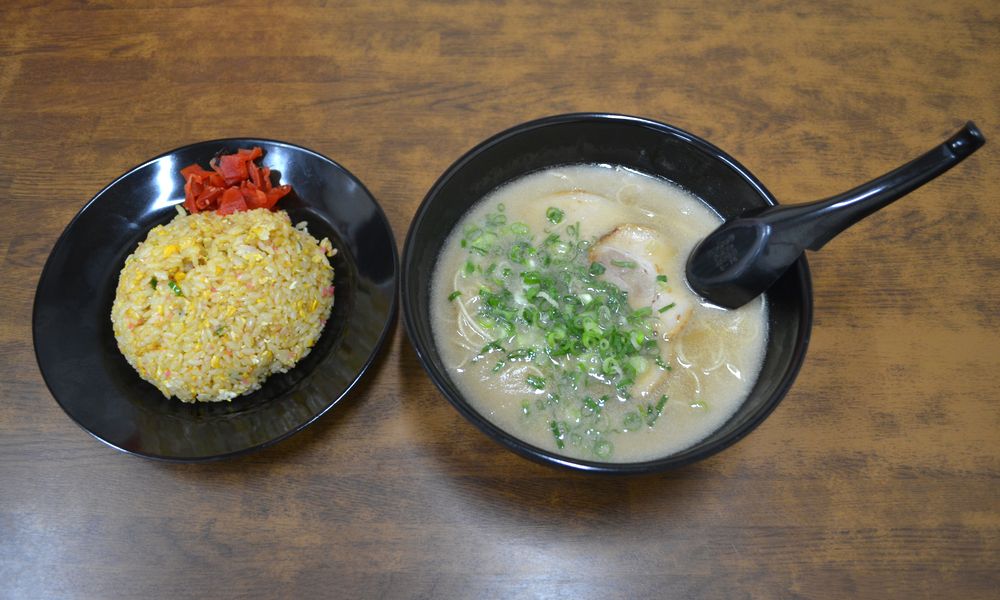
(647, 146)
(89, 377)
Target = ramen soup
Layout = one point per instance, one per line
(561, 311)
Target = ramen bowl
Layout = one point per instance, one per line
(638, 144)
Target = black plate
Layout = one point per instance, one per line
(88, 376)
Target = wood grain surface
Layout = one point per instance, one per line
(878, 476)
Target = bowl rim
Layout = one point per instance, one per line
(365, 367)
(547, 457)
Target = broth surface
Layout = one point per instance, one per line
(671, 388)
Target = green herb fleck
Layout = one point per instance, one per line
(519, 228)
(554, 215)
(602, 448)
(557, 432)
(454, 295)
(176, 288)
(653, 412)
(632, 421)
(153, 282)
(668, 307)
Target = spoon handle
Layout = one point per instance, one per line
(816, 223)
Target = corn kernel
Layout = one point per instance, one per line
(215, 361)
(179, 276)
(169, 250)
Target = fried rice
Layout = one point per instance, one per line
(208, 306)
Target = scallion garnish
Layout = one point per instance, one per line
(548, 310)
(661, 278)
(557, 432)
(176, 288)
(454, 295)
(653, 412)
(668, 307)
(153, 282)
(519, 228)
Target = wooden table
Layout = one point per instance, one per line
(878, 476)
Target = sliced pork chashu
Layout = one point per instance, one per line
(633, 256)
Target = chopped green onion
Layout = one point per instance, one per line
(153, 282)
(536, 382)
(523, 354)
(557, 432)
(668, 307)
(632, 421)
(661, 278)
(624, 264)
(603, 448)
(221, 329)
(547, 306)
(653, 413)
(594, 407)
(454, 295)
(519, 252)
(496, 220)
(531, 277)
(176, 288)
(494, 345)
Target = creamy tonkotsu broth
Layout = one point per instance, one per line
(562, 314)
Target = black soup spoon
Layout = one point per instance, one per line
(745, 256)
